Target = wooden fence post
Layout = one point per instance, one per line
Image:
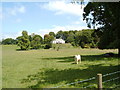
(99, 78)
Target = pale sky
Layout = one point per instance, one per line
(40, 17)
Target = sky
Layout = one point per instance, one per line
(40, 17)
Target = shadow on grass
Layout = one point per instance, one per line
(25, 50)
(54, 76)
(61, 59)
(20, 50)
(83, 58)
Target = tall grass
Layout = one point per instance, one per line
(45, 68)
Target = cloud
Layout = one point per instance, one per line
(76, 22)
(61, 7)
(17, 9)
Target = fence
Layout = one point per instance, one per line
(98, 79)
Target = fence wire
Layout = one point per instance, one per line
(111, 79)
(111, 74)
(86, 80)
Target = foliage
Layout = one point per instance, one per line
(85, 37)
(52, 34)
(8, 41)
(48, 41)
(36, 41)
(23, 41)
(48, 38)
(71, 37)
(107, 16)
(47, 46)
(59, 34)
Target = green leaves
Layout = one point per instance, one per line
(107, 15)
(36, 42)
(23, 41)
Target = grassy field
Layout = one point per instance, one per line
(51, 68)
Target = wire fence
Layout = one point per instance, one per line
(86, 80)
(111, 73)
(90, 79)
(111, 79)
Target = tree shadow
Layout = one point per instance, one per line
(61, 59)
(98, 57)
(54, 76)
(21, 50)
(83, 58)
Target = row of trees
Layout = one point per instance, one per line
(83, 38)
(8, 41)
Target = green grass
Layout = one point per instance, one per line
(51, 68)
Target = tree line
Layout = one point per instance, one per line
(86, 38)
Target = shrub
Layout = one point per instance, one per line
(47, 46)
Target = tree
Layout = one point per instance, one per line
(48, 41)
(23, 41)
(71, 37)
(108, 17)
(62, 34)
(59, 34)
(36, 41)
(52, 34)
(48, 38)
(83, 38)
(8, 41)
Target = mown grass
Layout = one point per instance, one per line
(50, 68)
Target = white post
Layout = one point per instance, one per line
(99, 78)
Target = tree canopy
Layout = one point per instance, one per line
(107, 16)
(23, 41)
(36, 42)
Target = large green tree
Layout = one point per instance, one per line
(48, 41)
(52, 34)
(23, 41)
(83, 38)
(59, 34)
(107, 16)
(36, 41)
(71, 37)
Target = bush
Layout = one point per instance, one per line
(73, 44)
(87, 46)
(47, 46)
(82, 45)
